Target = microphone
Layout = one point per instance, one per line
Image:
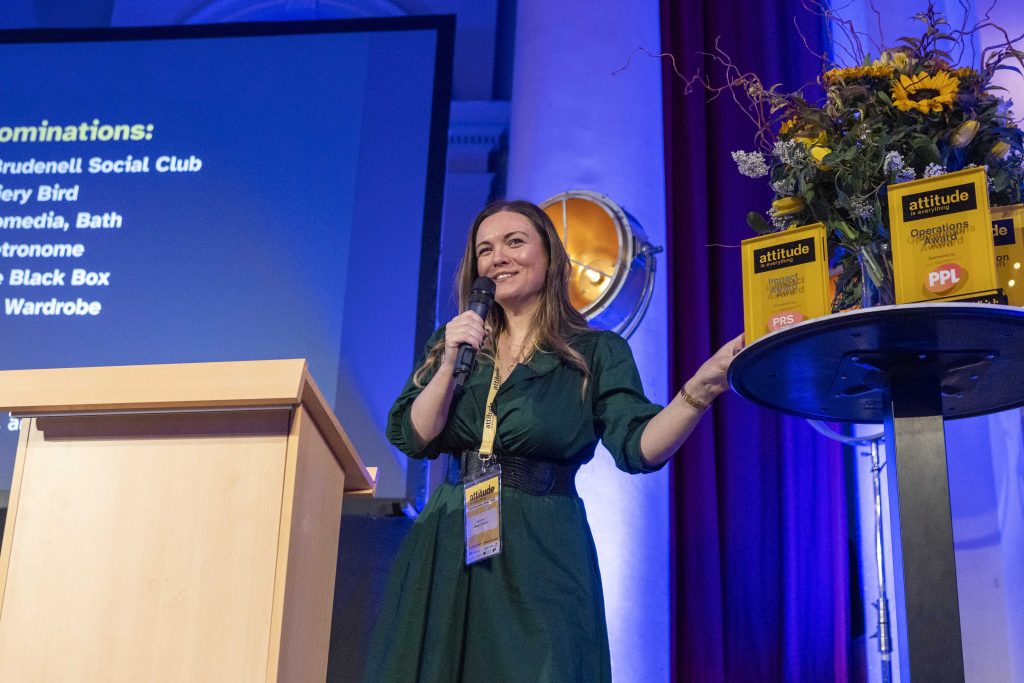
(481, 296)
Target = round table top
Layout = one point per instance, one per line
(838, 367)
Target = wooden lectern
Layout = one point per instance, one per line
(172, 523)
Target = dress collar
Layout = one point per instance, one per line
(541, 363)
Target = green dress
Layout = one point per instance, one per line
(535, 612)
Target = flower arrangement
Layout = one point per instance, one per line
(910, 112)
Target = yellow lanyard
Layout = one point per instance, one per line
(490, 419)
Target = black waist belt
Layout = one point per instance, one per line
(536, 477)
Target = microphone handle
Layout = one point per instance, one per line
(467, 354)
(463, 364)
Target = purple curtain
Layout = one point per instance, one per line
(761, 558)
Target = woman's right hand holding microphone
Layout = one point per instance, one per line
(465, 328)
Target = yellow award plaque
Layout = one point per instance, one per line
(785, 279)
(941, 236)
(1007, 224)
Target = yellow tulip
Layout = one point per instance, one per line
(818, 153)
(788, 205)
(810, 137)
(788, 125)
(896, 59)
(964, 133)
(999, 150)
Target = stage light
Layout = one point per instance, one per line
(612, 261)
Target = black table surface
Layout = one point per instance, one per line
(839, 367)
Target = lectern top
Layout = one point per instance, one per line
(183, 386)
(136, 387)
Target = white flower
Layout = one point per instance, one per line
(778, 222)
(933, 170)
(893, 162)
(860, 207)
(751, 164)
(785, 186)
(788, 151)
(905, 175)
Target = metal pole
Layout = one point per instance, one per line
(884, 634)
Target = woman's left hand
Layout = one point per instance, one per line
(711, 379)
(667, 430)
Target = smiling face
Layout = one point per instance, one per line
(510, 251)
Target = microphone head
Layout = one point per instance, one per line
(482, 291)
(481, 296)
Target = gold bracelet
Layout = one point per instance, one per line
(695, 402)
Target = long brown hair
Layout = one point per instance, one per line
(556, 322)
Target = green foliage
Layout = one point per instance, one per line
(757, 223)
(908, 113)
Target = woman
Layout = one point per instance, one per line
(535, 611)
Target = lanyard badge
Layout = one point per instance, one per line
(482, 490)
(483, 513)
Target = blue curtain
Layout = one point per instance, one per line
(761, 556)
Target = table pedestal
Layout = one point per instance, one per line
(910, 367)
(921, 530)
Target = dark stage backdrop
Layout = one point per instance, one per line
(761, 559)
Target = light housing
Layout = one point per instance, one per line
(612, 262)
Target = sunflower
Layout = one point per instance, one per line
(924, 93)
(853, 73)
